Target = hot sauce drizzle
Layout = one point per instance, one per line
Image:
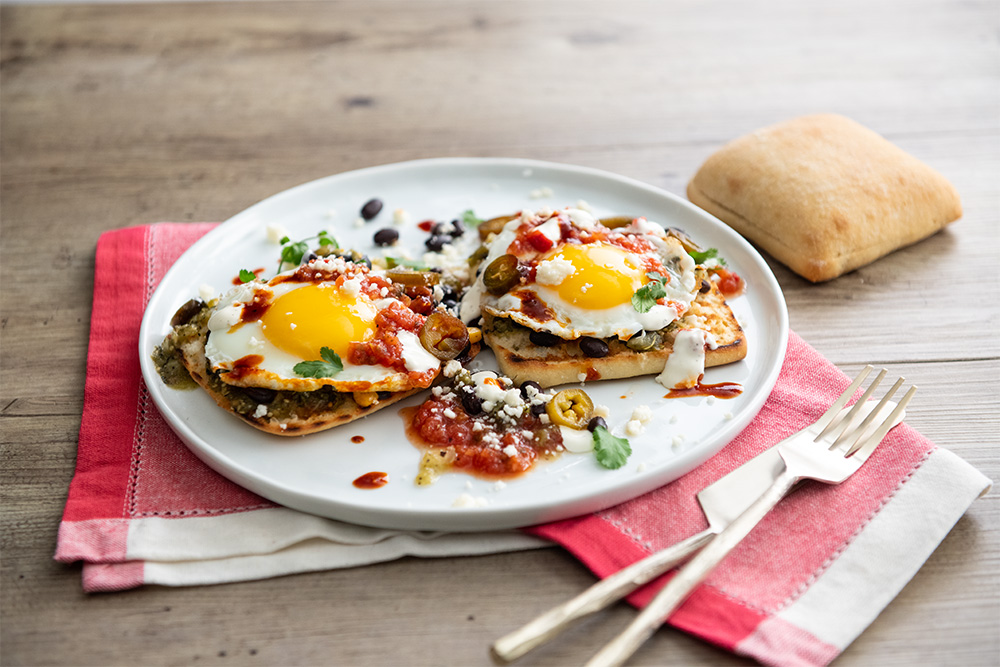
(372, 480)
(720, 390)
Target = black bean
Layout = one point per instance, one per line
(705, 286)
(308, 257)
(475, 321)
(371, 208)
(382, 395)
(472, 403)
(260, 394)
(386, 236)
(595, 422)
(186, 312)
(529, 383)
(436, 242)
(544, 338)
(439, 229)
(537, 408)
(593, 347)
(457, 229)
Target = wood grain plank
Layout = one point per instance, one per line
(114, 115)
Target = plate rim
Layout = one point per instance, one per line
(447, 518)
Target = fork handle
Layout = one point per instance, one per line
(512, 646)
(619, 649)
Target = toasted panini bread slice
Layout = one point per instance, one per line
(565, 362)
(280, 412)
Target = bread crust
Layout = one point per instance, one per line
(564, 363)
(823, 194)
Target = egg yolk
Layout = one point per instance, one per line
(605, 276)
(302, 321)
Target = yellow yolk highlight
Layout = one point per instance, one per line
(605, 276)
(302, 321)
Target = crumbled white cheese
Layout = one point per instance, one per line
(275, 232)
(584, 206)
(510, 450)
(554, 271)
(260, 411)
(711, 400)
(642, 414)
(256, 344)
(359, 223)
(727, 416)
(634, 427)
(581, 218)
(351, 287)
(641, 467)
(468, 500)
(499, 485)
(449, 413)
(540, 193)
(601, 411)
(581, 377)
(206, 292)
(450, 369)
(292, 325)
(400, 217)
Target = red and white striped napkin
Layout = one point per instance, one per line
(807, 581)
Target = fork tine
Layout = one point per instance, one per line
(848, 421)
(864, 449)
(824, 422)
(858, 434)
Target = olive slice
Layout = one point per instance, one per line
(444, 335)
(570, 407)
(410, 277)
(501, 275)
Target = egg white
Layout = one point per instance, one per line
(228, 343)
(571, 321)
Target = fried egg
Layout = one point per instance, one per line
(259, 331)
(579, 277)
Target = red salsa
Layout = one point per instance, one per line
(502, 439)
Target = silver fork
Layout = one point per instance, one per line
(826, 451)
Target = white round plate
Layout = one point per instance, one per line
(314, 473)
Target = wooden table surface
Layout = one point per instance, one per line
(115, 115)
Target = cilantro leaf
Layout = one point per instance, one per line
(469, 217)
(656, 275)
(284, 240)
(294, 252)
(612, 452)
(325, 239)
(646, 296)
(246, 276)
(328, 367)
(700, 256)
